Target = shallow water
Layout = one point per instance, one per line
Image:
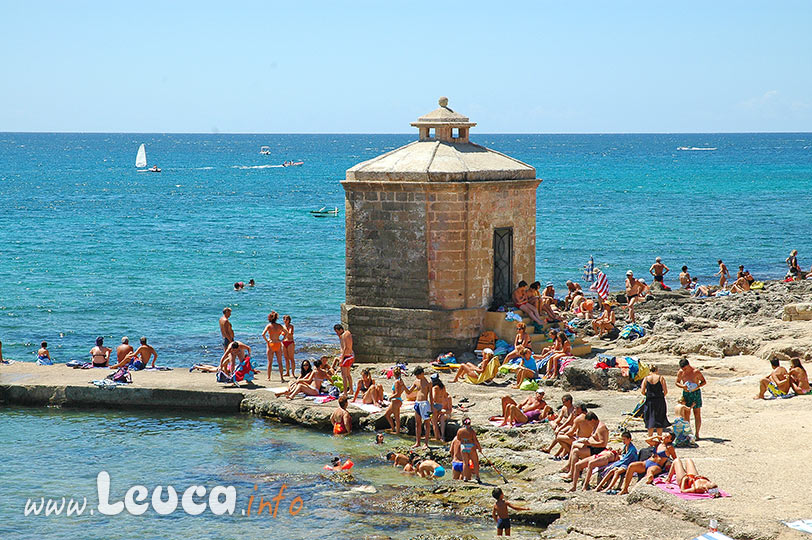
(58, 453)
(91, 247)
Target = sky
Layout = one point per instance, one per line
(374, 67)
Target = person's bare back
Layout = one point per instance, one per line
(225, 328)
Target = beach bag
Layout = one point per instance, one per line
(122, 375)
(487, 340)
(338, 382)
(223, 378)
(529, 385)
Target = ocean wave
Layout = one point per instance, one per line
(256, 166)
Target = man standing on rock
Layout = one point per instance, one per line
(225, 328)
(659, 270)
(691, 381)
(346, 357)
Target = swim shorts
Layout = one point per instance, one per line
(658, 278)
(439, 472)
(775, 391)
(423, 409)
(275, 346)
(532, 415)
(226, 342)
(502, 524)
(456, 466)
(347, 361)
(693, 399)
(594, 450)
(138, 365)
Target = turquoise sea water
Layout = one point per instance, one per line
(89, 246)
(54, 454)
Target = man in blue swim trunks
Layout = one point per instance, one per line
(423, 405)
(691, 381)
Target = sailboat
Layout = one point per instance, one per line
(141, 161)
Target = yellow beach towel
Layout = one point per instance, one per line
(487, 375)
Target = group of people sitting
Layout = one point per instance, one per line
(583, 442)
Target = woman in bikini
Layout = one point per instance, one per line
(653, 466)
(309, 385)
(798, 378)
(688, 478)
(392, 413)
(271, 334)
(100, 355)
(370, 391)
(288, 347)
(562, 350)
(604, 324)
(522, 340)
(528, 369)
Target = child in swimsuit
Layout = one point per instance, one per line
(500, 512)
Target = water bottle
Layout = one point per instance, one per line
(713, 526)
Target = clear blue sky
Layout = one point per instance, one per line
(349, 67)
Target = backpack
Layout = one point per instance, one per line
(122, 375)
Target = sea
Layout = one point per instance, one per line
(89, 246)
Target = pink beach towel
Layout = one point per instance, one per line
(673, 489)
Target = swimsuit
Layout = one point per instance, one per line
(532, 415)
(691, 480)
(287, 343)
(347, 360)
(775, 391)
(652, 463)
(693, 399)
(339, 429)
(467, 448)
(226, 342)
(137, 365)
(502, 523)
(456, 466)
(44, 361)
(275, 346)
(658, 278)
(595, 450)
(423, 409)
(438, 406)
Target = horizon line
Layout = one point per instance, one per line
(404, 133)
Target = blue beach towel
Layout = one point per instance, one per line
(632, 331)
(803, 525)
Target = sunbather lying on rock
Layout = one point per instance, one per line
(688, 478)
(532, 408)
(467, 369)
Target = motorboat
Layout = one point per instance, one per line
(293, 164)
(265, 150)
(324, 212)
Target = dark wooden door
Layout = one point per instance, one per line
(502, 265)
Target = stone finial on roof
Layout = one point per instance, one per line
(443, 124)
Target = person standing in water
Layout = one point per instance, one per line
(722, 273)
(225, 328)
(272, 332)
(346, 357)
(288, 347)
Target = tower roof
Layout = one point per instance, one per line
(443, 153)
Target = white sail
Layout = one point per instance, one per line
(141, 158)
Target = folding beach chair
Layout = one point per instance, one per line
(635, 416)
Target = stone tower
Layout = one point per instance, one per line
(437, 231)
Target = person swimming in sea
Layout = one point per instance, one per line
(43, 356)
(341, 419)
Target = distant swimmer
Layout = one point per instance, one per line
(251, 282)
(272, 332)
(346, 357)
(239, 286)
(225, 328)
(123, 350)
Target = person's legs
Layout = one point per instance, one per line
(507, 400)
(521, 373)
(418, 428)
(270, 360)
(690, 467)
(464, 369)
(679, 469)
(515, 415)
(396, 404)
(532, 313)
(697, 421)
(635, 468)
(577, 467)
(280, 361)
(346, 378)
(762, 387)
(660, 432)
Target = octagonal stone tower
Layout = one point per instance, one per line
(437, 231)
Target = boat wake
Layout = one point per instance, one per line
(244, 167)
(695, 148)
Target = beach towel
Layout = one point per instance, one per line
(321, 399)
(803, 525)
(683, 434)
(713, 536)
(529, 385)
(107, 383)
(368, 407)
(490, 372)
(562, 365)
(634, 367)
(495, 421)
(601, 285)
(632, 331)
(502, 347)
(277, 389)
(159, 368)
(589, 270)
(673, 489)
(756, 285)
